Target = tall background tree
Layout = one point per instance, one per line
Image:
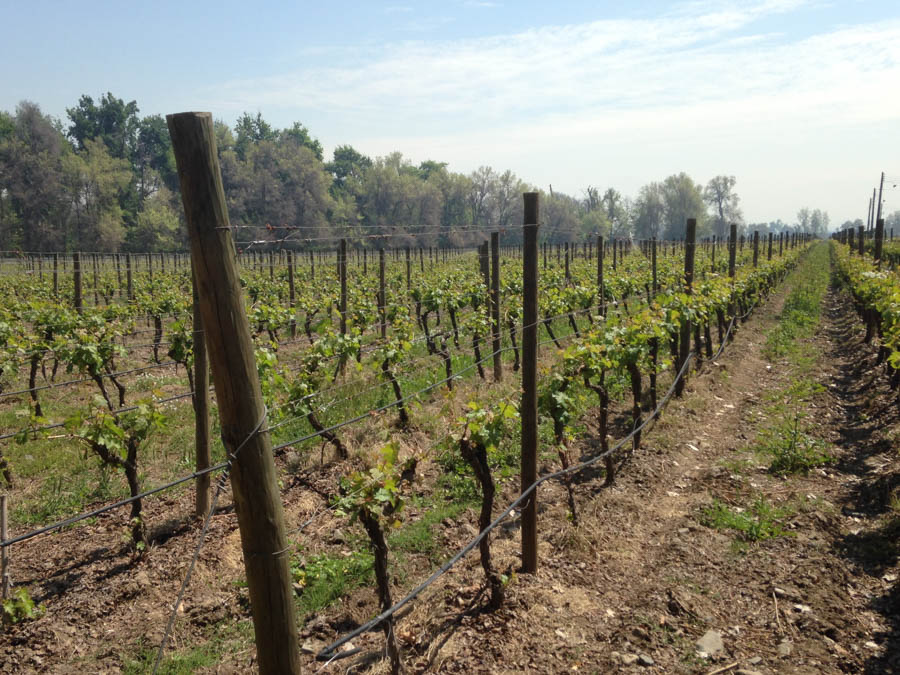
(722, 199)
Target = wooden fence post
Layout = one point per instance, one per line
(495, 304)
(381, 296)
(862, 240)
(755, 248)
(231, 350)
(55, 275)
(4, 552)
(292, 301)
(200, 400)
(879, 240)
(529, 380)
(601, 303)
(342, 268)
(76, 272)
(684, 341)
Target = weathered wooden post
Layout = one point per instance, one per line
(381, 296)
(528, 411)
(4, 552)
(242, 412)
(495, 305)
(684, 341)
(879, 240)
(601, 292)
(200, 399)
(76, 272)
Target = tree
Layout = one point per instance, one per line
(723, 200)
(803, 218)
(94, 179)
(682, 199)
(347, 165)
(649, 212)
(300, 134)
(819, 222)
(154, 160)
(34, 205)
(616, 213)
(113, 121)
(158, 228)
(250, 131)
(277, 183)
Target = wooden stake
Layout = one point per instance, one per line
(253, 477)
(495, 304)
(529, 380)
(684, 341)
(76, 271)
(200, 400)
(4, 552)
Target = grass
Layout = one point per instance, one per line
(788, 440)
(760, 520)
(224, 637)
(325, 578)
(792, 449)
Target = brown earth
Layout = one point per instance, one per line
(630, 589)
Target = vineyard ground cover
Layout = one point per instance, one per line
(643, 576)
(455, 531)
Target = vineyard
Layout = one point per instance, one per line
(396, 385)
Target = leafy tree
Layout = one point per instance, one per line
(297, 133)
(682, 199)
(723, 200)
(803, 218)
(33, 201)
(113, 121)
(429, 167)
(158, 227)
(616, 211)
(819, 222)
(250, 131)
(154, 159)
(94, 180)
(347, 165)
(650, 211)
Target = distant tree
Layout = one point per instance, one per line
(615, 209)
(300, 134)
(819, 222)
(94, 179)
(154, 159)
(723, 200)
(158, 228)
(682, 199)
(251, 130)
(34, 204)
(892, 221)
(649, 212)
(803, 219)
(112, 120)
(429, 166)
(347, 165)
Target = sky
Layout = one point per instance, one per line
(798, 99)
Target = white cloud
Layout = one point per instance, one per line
(670, 82)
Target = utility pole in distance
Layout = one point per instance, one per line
(257, 500)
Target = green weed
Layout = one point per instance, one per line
(325, 578)
(759, 521)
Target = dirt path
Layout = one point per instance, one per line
(642, 579)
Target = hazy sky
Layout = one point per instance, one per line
(799, 100)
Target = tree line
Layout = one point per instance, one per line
(105, 180)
